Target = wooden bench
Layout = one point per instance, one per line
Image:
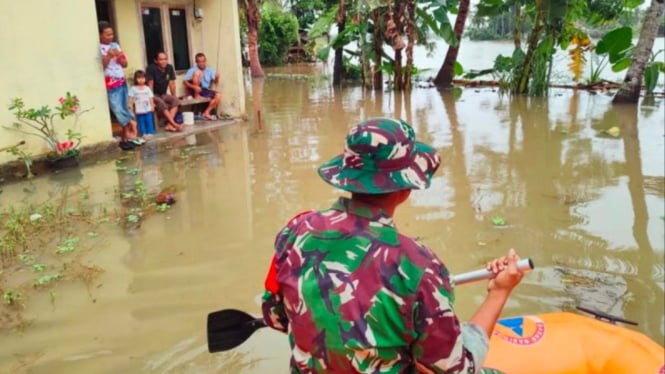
(193, 103)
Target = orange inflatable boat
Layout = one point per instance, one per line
(567, 343)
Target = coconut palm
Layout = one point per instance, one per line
(253, 17)
(445, 76)
(629, 92)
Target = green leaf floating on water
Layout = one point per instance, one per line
(46, 279)
(38, 268)
(498, 221)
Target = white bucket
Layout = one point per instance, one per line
(188, 118)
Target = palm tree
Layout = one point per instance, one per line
(629, 92)
(253, 18)
(444, 78)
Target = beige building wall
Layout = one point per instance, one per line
(56, 49)
(49, 48)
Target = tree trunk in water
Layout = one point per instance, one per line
(411, 34)
(399, 84)
(339, 52)
(444, 78)
(550, 60)
(378, 50)
(629, 92)
(365, 68)
(253, 18)
(397, 18)
(522, 85)
(517, 31)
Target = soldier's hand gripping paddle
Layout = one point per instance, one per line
(228, 328)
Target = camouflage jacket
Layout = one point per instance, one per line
(356, 296)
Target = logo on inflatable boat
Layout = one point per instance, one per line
(525, 330)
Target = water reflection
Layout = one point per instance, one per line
(585, 207)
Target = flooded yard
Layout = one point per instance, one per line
(547, 177)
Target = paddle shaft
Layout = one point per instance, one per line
(524, 265)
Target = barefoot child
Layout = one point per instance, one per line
(141, 100)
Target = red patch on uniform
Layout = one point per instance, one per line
(270, 282)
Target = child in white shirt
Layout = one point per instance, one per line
(143, 104)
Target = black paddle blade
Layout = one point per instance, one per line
(229, 328)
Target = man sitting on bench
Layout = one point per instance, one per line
(160, 77)
(198, 82)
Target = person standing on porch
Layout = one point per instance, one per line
(161, 76)
(113, 62)
(142, 100)
(199, 80)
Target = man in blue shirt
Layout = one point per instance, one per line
(198, 82)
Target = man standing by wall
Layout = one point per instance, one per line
(161, 76)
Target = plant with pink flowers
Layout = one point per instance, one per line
(41, 122)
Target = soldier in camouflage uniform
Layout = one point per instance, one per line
(355, 295)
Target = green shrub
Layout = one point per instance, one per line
(277, 32)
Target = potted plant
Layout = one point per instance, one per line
(41, 122)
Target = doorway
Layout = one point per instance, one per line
(106, 12)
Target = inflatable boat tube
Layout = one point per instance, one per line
(567, 343)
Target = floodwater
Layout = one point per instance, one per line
(479, 55)
(588, 208)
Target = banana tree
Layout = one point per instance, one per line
(555, 24)
(336, 14)
(373, 23)
(339, 53)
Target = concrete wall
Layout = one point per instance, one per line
(49, 48)
(221, 43)
(56, 49)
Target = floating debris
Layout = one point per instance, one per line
(613, 131)
(498, 221)
(165, 198)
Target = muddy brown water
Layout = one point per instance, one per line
(586, 207)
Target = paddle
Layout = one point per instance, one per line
(228, 328)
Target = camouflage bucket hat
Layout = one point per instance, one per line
(381, 155)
